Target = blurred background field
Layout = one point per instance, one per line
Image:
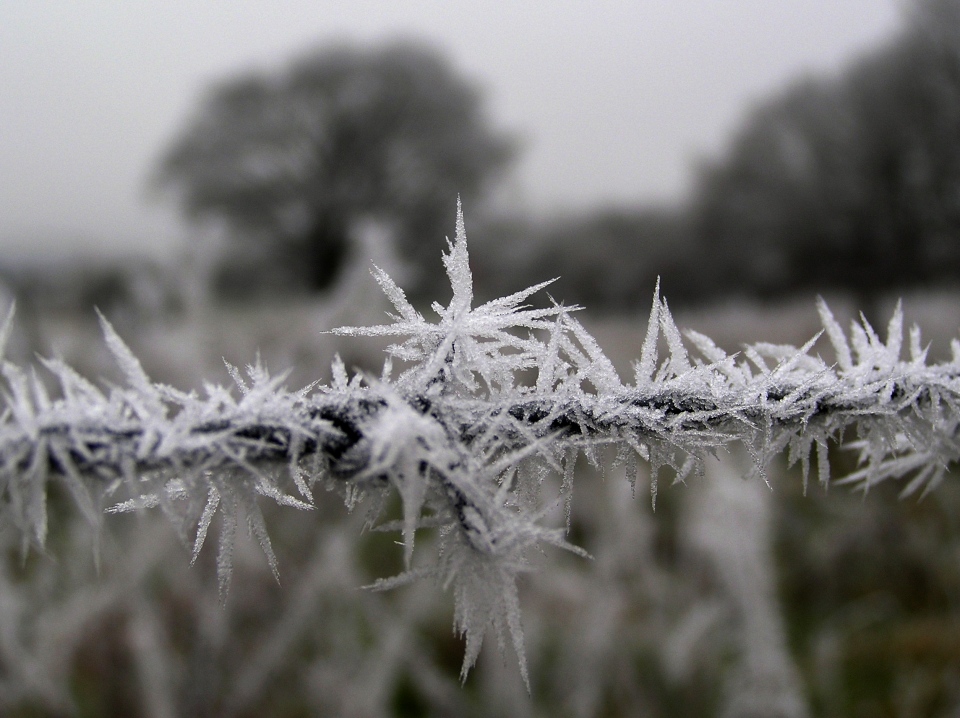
(286, 179)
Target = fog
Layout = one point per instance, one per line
(614, 100)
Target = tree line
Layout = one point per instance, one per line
(849, 181)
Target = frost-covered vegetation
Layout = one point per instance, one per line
(468, 445)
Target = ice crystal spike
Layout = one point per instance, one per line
(648, 352)
(457, 264)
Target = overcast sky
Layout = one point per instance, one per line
(615, 99)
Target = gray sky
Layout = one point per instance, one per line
(616, 99)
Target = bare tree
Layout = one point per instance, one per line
(290, 161)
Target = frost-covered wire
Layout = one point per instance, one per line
(469, 415)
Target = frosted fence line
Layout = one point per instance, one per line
(486, 402)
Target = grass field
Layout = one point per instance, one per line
(730, 598)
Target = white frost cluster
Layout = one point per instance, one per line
(487, 402)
